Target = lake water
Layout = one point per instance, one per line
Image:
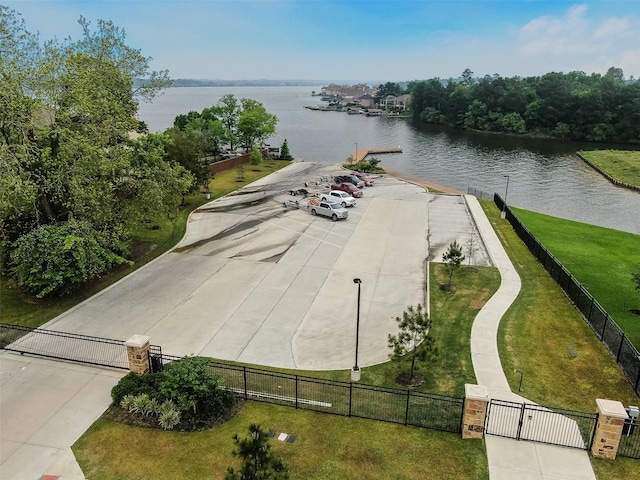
(545, 176)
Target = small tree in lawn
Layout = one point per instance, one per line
(284, 151)
(472, 246)
(256, 156)
(635, 277)
(258, 461)
(413, 342)
(453, 257)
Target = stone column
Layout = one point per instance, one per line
(611, 417)
(138, 354)
(475, 410)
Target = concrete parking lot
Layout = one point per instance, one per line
(258, 282)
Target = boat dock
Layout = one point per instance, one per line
(361, 153)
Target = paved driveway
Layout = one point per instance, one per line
(256, 282)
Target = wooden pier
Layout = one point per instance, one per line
(361, 153)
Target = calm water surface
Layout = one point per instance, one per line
(544, 175)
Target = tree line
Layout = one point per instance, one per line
(595, 108)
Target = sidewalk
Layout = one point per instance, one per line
(512, 459)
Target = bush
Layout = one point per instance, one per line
(134, 385)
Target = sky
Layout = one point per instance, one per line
(359, 40)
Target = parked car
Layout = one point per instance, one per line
(368, 181)
(338, 196)
(348, 178)
(350, 188)
(332, 210)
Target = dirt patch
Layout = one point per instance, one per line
(476, 304)
(406, 380)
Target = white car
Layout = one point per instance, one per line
(338, 196)
(332, 210)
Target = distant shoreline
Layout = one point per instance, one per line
(186, 82)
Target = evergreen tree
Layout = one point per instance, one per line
(258, 461)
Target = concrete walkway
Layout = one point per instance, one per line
(512, 459)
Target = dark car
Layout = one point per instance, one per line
(368, 181)
(349, 179)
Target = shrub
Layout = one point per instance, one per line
(133, 384)
(169, 418)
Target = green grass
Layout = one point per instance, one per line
(149, 241)
(600, 258)
(327, 447)
(536, 332)
(621, 165)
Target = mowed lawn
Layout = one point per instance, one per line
(327, 447)
(621, 165)
(600, 258)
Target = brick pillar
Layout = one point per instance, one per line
(138, 354)
(476, 400)
(611, 417)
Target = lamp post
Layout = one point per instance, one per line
(355, 371)
(355, 157)
(506, 192)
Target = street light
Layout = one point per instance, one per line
(355, 371)
(355, 158)
(506, 192)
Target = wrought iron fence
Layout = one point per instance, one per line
(64, 346)
(630, 440)
(428, 410)
(599, 320)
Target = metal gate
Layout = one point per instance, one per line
(64, 346)
(525, 421)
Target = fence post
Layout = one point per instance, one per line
(604, 327)
(296, 391)
(138, 353)
(406, 408)
(244, 376)
(476, 400)
(624, 337)
(608, 431)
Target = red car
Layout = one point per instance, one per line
(350, 188)
(368, 181)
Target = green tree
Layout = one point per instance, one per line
(453, 257)
(228, 111)
(258, 461)
(256, 156)
(284, 151)
(413, 341)
(65, 151)
(255, 124)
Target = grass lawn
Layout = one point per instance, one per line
(536, 332)
(621, 165)
(600, 258)
(327, 447)
(149, 241)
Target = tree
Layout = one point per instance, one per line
(284, 151)
(453, 257)
(258, 461)
(256, 156)
(414, 340)
(472, 246)
(467, 77)
(65, 152)
(228, 111)
(389, 88)
(255, 124)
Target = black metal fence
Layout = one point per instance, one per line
(602, 324)
(630, 440)
(406, 407)
(64, 346)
